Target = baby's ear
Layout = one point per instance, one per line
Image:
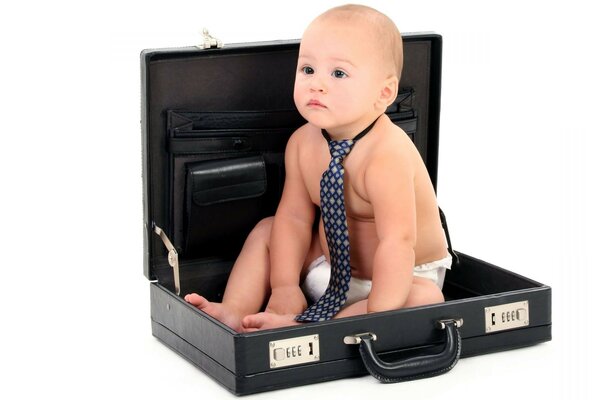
(389, 92)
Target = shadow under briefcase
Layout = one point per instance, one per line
(215, 123)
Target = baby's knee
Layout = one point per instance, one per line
(262, 230)
(431, 294)
(424, 292)
(435, 295)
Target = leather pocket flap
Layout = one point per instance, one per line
(220, 181)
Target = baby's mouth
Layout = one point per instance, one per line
(316, 104)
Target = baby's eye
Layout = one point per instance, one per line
(339, 74)
(308, 70)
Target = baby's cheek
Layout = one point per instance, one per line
(356, 104)
(298, 94)
(297, 99)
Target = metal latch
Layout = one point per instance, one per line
(359, 337)
(441, 324)
(506, 316)
(173, 256)
(209, 42)
(294, 351)
(356, 339)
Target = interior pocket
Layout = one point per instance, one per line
(224, 200)
(200, 141)
(194, 123)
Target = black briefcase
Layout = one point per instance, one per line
(215, 122)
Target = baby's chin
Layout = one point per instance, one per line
(317, 118)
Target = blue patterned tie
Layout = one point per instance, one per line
(333, 212)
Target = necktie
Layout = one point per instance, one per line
(333, 212)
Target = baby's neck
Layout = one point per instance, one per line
(349, 131)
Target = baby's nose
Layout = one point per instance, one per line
(318, 86)
(318, 89)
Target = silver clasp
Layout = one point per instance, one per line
(441, 324)
(356, 339)
(173, 257)
(209, 41)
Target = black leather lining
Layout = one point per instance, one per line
(214, 162)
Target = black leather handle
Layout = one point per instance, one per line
(418, 367)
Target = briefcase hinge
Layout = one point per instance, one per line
(209, 41)
(173, 257)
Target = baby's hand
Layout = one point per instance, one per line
(286, 300)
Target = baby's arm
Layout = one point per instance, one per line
(389, 181)
(290, 236)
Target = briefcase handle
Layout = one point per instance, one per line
(418, 367)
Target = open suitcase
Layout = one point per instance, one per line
(215, 123)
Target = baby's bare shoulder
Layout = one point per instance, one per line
(302, 135)
(304, 142)
(302, 149)
(392, 145)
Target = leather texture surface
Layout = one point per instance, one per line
(418, 367)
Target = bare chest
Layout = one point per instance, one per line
(356, 200)
(359, 212)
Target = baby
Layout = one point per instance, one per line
(348, 73)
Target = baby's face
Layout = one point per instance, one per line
(339, 76)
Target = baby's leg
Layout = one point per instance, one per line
(269, 320)
(423, 292)
(248, 284)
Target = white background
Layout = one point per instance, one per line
(517, 178)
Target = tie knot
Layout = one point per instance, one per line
(340, 148)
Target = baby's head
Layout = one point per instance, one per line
(349, 67)
(380, 32)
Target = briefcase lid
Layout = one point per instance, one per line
(262, 74)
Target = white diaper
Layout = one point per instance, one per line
(435, 270)
(318, 272)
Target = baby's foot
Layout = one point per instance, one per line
(266, 320)
(216, 310)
